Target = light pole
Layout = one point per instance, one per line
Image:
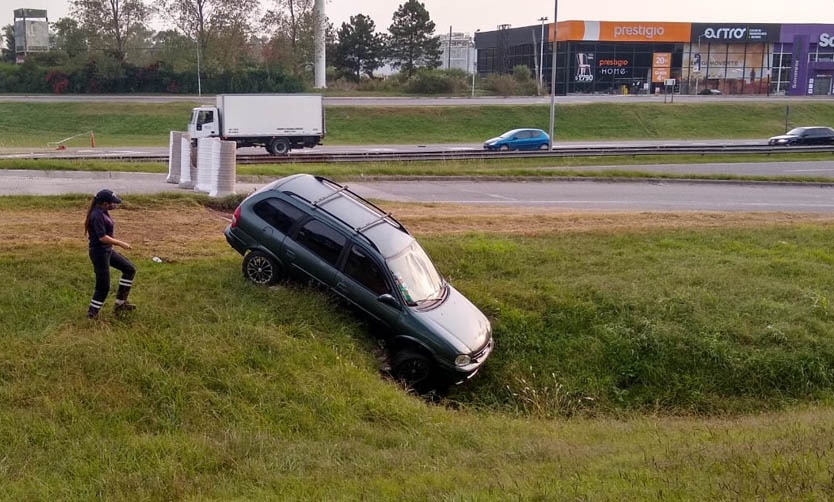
(541, 54)
(553, 72)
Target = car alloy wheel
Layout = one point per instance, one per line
(259, 268)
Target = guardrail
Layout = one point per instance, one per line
(450, 155)
(557, 152)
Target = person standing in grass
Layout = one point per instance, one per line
(99, 228)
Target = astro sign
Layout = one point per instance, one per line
(735, 33)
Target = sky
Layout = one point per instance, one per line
(485, 15)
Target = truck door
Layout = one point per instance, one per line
(205, 123)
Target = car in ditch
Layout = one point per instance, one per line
(816, 135)
(312, 229)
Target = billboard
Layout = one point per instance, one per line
(31, 35)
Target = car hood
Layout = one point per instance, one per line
(493, 140)
(782, 136)
(465, 326)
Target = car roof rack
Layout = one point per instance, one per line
(344, 191)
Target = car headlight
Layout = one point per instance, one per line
(462, 360)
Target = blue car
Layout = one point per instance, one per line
(519, 139)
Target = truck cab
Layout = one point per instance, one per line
(204, 123)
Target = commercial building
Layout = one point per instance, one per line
(647, 57)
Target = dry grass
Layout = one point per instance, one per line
(169, 228)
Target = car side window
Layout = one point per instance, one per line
(279, 214)
(322, 240)
(361, 268)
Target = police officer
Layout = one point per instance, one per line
(99, 227)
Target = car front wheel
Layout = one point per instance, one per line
(503, 148)
(260, 268)
(413, 369)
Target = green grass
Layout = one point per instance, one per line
(582, 167)
(129, 124)
(670, 350)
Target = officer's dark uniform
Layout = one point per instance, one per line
(104, 256)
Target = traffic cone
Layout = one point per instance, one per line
(92, 140)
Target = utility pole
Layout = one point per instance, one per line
(541, 54)
(553, 72)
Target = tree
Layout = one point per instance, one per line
(360, 49)
(219, 28)
(111, 23)
(9, 49)
(412, 43)
(69, 37)
(292, 24)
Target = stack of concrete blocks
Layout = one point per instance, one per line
(180, 167)
(174, 157)
(216, 167)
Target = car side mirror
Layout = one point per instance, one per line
(389, 300)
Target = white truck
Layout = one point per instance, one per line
(278, 122)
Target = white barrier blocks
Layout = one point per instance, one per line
(225, 172)
(174, 157)
(205, 157)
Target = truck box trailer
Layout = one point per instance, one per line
(278, 122)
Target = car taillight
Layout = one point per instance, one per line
(235, 217)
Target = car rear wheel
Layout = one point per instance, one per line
(413, 369)
(260, 268)
(543, 146)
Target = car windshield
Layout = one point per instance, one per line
(509, 134)
(415, 275)
(796, 132)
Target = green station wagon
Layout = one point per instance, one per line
(315, 230)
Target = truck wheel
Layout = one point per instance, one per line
(279, 146)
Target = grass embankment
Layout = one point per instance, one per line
(126, 124)
(217, 389)
(130, 124)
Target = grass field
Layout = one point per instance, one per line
(130, 124)
(639, 356)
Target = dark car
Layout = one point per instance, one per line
(519, 139)
(313, 229)
(816, 135)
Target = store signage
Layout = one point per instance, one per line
(735, 32)
(725, 33)
(614, 67)
(647, 32)
(661, 63)
(826, 40)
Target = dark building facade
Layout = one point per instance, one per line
(645, 57)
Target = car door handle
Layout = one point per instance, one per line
(290, 254)
(342, 286)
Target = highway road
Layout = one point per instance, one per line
(581, 195)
